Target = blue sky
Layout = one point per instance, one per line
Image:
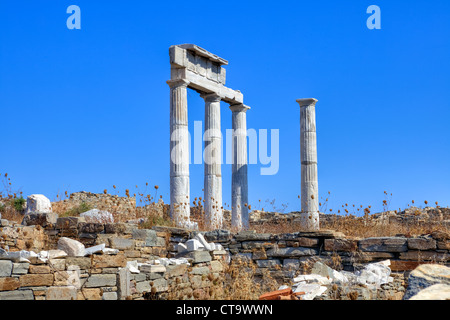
(88, 109)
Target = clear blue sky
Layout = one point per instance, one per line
(88, 109)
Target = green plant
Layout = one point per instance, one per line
(18, 203)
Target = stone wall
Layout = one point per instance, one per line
(102, 275)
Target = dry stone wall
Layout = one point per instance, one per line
(106, 274)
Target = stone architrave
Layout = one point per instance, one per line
(308, 158)
(239, 179)
(213, 162)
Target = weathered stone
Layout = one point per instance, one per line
(160, 285)
(421, 243)
(323, 233)
(424, 255)
(5, 268)
(95, 249)
(340, 245)
(199, 270)
(176, 270)
(62, 293)
(83, 263)
(44, 219)
(425, 276)
(218, 235)
(98, 216)
(152, 268)
(259, 254)
(443, 245)
(384, 244)
(9, 284)
(252, 235)
(149, 236)
(20, 268)
(143, 286)
(90, 227)
(39, 269)
(123, 283)
(121, 243)
(291, 252)
(109, 296)
(109, 261)
(36, 280)
(91, 294)
(199, 256)
(72, 247)
(371, 256)
(64, 223)
(55, 254)
(101, 280)
(268, 263)
(38, 203)
(439, 291)
(17, 295)
(292, 264)
(216, 266)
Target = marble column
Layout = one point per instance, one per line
(179, 154)
(213, 162)
(239, 182)
(308, 159)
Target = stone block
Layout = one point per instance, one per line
(147, 235)
(176, 270)
(6, 267)
(199, 256)
(425, 255)
(425, 276)
(421, 243)
(98, 216)
(216, 266)
(44, 219)
(38, 203)
(84, 263)
(64, 223)
(159, 285)
(109, 296)
(121, 243)
(101, 280)
(443, 245)
(36, 280)
(200, 270)
(72, 247)
(259, 254)
(20, 268)
(9, 284)
(123, 283)
(291, 264)
(384, 244)
(268, 263)
(90, 227)
(91, 293)
(62, 293)
(143, 286)
(109, 261)
(348, 245)
(17, 295)
(253, 236)
(39, 269)
(291, 252)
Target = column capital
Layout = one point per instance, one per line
(173, 83)
(211, 97)
(307, 102)
(239, 107)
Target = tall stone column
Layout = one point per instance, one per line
(308, 158)
(239, 182)
(179, 154)
(213, 162)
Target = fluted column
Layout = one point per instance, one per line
(239, 182)
(308, 158)
(179, 154)
(213, 162)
